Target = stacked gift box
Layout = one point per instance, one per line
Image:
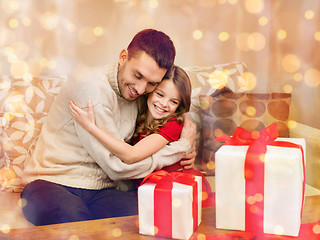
(260, 182)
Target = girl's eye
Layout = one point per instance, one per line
(175, 102)
(159, 94)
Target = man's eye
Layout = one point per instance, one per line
(153, 83)
(138, 76)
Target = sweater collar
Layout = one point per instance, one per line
(112, 73)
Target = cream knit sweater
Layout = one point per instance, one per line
(67, 154)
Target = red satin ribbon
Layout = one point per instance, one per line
(163, 199)
(254, 169)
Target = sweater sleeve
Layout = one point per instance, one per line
(112, 165)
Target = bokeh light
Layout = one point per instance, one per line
(22, 202)
(201, 236)
(19, 68)
(254, 209)
(26, 21)
(309, 14)
(247, 81)
(263, 21)
(153, 3)
(211, 165)
(233, 2)
(297, 77)
(49, 20)
(291, 63)
(242, 41)
(116, 232)
(254, 6)
(5, 228)
(176, 202)
(197, 34)
(312, 77)
(256, 41)
(251, 111)
(218, 79)
(317, 36)
(223, 36)
(98, 31)
(316, 229)
(71, 27)
(292, 124)
(74, 237)
(217, 132)
(13, 23)
(278, 230)
(287, 88)
(281, 34)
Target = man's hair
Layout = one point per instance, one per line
(156, 44)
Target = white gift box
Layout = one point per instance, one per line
(181, 207)
(283, 188)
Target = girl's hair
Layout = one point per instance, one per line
(182, 82)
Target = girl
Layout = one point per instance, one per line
(159, 121)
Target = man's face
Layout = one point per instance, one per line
(139, 75)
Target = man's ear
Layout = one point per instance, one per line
(123, 56)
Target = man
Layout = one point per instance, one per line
(71, 176)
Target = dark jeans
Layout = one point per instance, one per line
(50, 203)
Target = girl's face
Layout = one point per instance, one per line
(163, 101)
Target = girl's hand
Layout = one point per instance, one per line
(84, 118)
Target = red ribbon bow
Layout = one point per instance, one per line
(254, 168)
(163, 198)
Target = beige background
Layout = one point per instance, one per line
(279, 40)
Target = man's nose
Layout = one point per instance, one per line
(141, 87)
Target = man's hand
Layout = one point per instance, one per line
(189, 130)
(188, 161)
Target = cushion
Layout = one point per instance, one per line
(211, 80)
(24, 106)
(222, 113)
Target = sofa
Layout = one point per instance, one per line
(219, 93)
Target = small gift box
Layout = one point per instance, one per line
(260, 182)
(170, 204)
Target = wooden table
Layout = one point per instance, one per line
(127, 227)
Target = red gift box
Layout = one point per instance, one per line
(170, 204)
(260, 182)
